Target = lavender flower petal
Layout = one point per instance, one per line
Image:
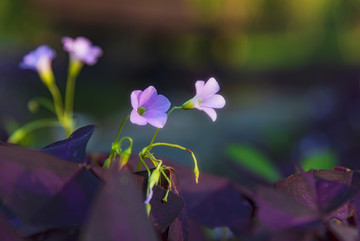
(81, 49)
(38, 59)
(149, 107)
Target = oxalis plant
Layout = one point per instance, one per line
(148, 107)
(55, 193)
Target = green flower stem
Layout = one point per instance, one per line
(116, 145)
(49, 80)
(74, 69)
(20, 133)
(157, 131)
(169, 185)
(121, 127)
(125, 155)
(58, 103)
(196, 169)
(152, 181)
(143, 163)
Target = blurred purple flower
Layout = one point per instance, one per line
(82, 49)
(206, 98)
(149, 107)
(39, 59)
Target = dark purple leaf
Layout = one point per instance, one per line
(162, 213)
(305, 206)
(355, 203)
(300, 233)
(322, 190)
(276, 210)
(7, 232)
(72, 149)
(39, 191)
(119, 211)
(214, 201)
(70, 206)
(331, 195)
(60, 234)
(179, 228)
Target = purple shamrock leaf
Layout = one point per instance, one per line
(118, 212)
(72, 149)
(41, 192)
(149, 107)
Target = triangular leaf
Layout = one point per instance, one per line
(72, 149)
(33, 183)
(119, 211)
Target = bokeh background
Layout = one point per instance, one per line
(289, 71)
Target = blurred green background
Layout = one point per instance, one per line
(289, 71)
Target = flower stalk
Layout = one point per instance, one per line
(81, 51)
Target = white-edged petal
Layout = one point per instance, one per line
(210, 88)
(199, 86)
(210, 112)
(135, 98)
(137, 119)
(215, 101)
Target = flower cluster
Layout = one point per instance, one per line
(148, 107)
(81, 51)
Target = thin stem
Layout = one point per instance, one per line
(74, 69)
(147, 168)
(157, 163)
(20, 133)
(126, 138)
(174, 108)
(196, 169)
(138, 168)
(152, 158)
(121, 127)
(169, 185)
(58, 104)
(48, 79)
(154, 136)
(157, 130)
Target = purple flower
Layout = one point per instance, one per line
(82, 49)
(39, 59)
(149, 107)
(206, 98)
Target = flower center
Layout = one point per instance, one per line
(141, 110)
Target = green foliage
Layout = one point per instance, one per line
(254, 161)
(321, 159)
